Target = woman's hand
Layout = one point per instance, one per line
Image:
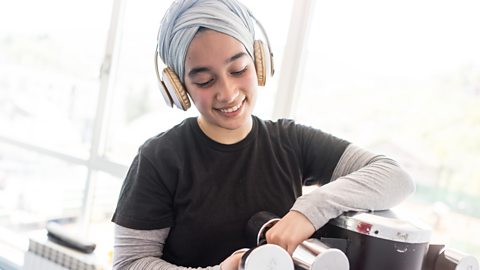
(290, 231)
(233, 261)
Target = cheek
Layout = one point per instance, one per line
(198, 97)
(252, 79)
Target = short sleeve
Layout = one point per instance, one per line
(145, 200)
(320, 153)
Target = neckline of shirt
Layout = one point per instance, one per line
(225, 147)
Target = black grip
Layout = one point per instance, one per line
(256, 228)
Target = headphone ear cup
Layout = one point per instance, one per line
(263, 62)
(165, 93)
(260, 65)
(163, 89)
(175, 89)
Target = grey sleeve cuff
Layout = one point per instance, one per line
(361, 181)
(142, 250)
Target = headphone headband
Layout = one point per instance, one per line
(272, 70)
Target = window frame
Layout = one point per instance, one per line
(97, 160)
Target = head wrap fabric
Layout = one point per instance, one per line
(185, 17)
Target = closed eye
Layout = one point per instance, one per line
(204, 84)
(240, 72)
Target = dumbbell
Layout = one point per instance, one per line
(311, 254)
(440, 257)
(266, 257)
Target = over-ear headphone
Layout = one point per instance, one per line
(174, 92)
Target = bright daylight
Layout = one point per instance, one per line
(361, 152)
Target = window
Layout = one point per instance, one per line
(78, 97)
(402, 78)
(50, 64)
(51, 54)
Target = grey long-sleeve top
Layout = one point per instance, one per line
(361, 181)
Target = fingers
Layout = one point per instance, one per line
(285, 240)
(233, 261)
(290, 231)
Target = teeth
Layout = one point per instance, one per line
(231, 109)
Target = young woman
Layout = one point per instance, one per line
(191, 190)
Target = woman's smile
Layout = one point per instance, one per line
(232, 108)
(222, 82)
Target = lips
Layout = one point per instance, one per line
(231, 109)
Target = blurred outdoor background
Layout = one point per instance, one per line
(78, 96)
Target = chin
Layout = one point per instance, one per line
(234, 124)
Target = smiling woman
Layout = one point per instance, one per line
(138, 103)
(78, 95)
(190, 190)
(56, 66)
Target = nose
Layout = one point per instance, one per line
(227, 90)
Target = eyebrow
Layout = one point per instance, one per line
(235, 57)
(196, 70)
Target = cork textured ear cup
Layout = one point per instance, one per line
(260, 62)
(175, 89)
(174, 93)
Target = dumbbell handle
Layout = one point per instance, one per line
(310, 254)
(313, 254)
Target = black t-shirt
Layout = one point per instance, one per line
(206, 191)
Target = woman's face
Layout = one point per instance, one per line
(221, 80)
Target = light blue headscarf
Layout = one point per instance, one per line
(183, 19)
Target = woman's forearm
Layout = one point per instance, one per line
(361, 181)
(142, 250)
